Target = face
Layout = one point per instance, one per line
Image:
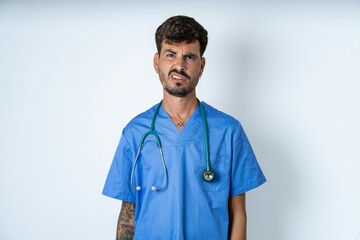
(179, 67)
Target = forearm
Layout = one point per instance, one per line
(125, 226)
(238, 228)
(238, 218)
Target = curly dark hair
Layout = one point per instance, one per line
(178, 29)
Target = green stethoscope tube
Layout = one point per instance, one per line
(207, 175)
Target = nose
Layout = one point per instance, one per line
(180, 64)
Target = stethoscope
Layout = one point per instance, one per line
(208, 175)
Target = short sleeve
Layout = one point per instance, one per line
(246, 173)
(117, 184)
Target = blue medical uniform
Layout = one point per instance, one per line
(189, 207)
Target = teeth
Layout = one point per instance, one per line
(176, 77)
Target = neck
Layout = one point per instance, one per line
(180, 107)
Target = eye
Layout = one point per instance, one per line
(169, 55)
(190, 57)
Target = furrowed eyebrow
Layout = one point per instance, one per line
(190, 55)
(169, 51)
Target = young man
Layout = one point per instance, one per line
(182, 167)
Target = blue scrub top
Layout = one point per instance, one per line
(189, 207)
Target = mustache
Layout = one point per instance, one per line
(181, 72)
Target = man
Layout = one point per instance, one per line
(195, 163)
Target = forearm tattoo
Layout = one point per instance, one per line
(125, 226)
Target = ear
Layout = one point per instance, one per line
(202, 66)
(156, 62)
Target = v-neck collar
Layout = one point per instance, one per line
(191, 128)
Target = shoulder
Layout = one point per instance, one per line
(217, 117)
(141, 122)
(222, 124)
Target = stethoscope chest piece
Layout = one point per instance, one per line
(208, 175)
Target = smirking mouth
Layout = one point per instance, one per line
(183, 75)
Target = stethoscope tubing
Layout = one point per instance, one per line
(208, 174)
(138, 188)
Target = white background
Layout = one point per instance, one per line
(73, 74)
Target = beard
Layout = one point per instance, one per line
(178, 90)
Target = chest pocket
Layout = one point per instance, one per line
(221, 166)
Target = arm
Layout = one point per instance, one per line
(237, 218)
(125, 226)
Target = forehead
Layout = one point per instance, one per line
(193, 47)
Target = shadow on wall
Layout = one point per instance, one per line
(269, 207)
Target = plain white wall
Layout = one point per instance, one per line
(73, 74)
